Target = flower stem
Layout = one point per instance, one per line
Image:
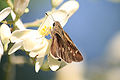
(9, 2)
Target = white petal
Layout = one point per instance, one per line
(54, 67)
(34, 43)
(5, 33)
(1, 50)
(41, 51)
(58, 15)
(18, 23)
(15, 47)
(54, 64)
(38, 63)
(38, 53)
(19, 35)
(33, 53)
(40, 48)
(4, 13)
(70, 7)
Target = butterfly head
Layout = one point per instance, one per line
(57, 25)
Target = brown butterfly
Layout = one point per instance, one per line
(62, 46)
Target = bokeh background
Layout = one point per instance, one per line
(95, 29)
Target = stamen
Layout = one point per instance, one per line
(45, 31)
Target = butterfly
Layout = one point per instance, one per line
(62, 46)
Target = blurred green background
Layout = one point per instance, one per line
(94, 28)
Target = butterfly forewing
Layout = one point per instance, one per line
(62, 46)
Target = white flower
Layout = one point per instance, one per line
(31, 41)
(4, 38)
(5, 34)
(5, 12)
(4, 31)
(62, 15)
(34, 41)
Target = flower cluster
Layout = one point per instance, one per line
(32, 41)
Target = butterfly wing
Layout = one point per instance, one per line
(72, 49)
(65, 49)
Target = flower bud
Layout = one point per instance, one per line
(20, 6)
(56, 3)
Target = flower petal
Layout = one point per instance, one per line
(70, 7)
(5, 33)
(15, 47)
(40, 49)
(19, 35)
(4, 13)
(34, 43)
(1, 50)
(38, 63)
(33, 53)
(40, 52)
(54, 64)
(18, 23)
(58, 15)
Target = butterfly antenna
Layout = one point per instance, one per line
(50, 17)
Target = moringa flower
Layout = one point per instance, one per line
(34, 41)
(4, 31)
(4, 38)
(62, 15)
(29, 39)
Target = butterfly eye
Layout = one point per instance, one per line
(59, 59)
(53, 24)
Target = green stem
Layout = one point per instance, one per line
(9, 2)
